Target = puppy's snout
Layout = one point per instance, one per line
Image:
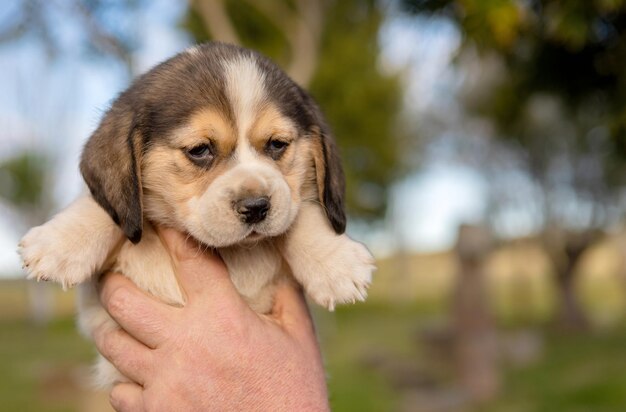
(253, 209)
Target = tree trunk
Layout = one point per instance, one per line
(571, 315)
(474, 330)
(566, 251)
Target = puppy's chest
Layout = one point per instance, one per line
(252, 270)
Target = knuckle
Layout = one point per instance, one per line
(108, 344)
(117, 301)
(117, 400)
(133, 363)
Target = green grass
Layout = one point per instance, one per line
(350, 338)
(576, 373)
(41, 369)
(41, 366)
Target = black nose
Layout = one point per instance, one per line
(253, 209)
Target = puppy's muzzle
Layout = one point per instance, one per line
(253, 209)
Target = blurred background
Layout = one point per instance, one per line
(485, 150)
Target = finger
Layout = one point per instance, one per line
(199, 271)
(138, 313)
(130, 357)
(127, 397)
(291, 311)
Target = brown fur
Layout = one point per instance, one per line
(110, 165)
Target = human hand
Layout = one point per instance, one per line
(214, 353)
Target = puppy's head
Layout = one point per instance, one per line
(218, 142)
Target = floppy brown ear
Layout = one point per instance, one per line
(110, 166)
(331, 181)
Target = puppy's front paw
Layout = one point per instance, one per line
(48, 254)
(343, 276)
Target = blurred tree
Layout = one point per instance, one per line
(475, 343)
(557, 102)
(332, 47)
(23, 179)
(103, 28)
(289, 32)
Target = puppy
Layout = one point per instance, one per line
(219, 143)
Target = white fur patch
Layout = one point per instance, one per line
(193, 50)
(245, 90)
(246, 154)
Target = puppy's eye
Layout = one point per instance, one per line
(199, 152)
(277, 144)
(202, 153)
(275, 148)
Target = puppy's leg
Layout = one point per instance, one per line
(332, 268)
(72, 246)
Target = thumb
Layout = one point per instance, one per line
(199, 270)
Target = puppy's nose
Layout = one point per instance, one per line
(253, 209)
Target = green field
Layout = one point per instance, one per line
(375, 359)
(573, 373)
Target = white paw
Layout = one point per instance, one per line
(49, 253)
(343, 276)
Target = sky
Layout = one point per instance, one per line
(426, 207)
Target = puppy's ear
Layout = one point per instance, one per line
(331, 182)
(110, 166)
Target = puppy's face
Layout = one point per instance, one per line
(217, 142)
(227, 182)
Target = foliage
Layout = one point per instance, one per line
(255, 29)
(361, 103)
(570, 53)
(23, 178)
